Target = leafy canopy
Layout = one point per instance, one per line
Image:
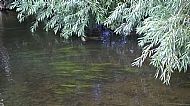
(68, 17)
(164, 25)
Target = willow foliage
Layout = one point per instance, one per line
(163, 24)
(69, 17)
(165, 29)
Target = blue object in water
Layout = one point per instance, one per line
(107, 37)
(106, 33)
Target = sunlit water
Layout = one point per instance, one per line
(49, 71)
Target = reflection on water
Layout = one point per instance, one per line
(4, 56)
(4, 59)
(49, 71)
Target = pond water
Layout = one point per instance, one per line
(49, 71)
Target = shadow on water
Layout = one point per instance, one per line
(49, 71)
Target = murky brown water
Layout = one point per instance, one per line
(49, 71)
